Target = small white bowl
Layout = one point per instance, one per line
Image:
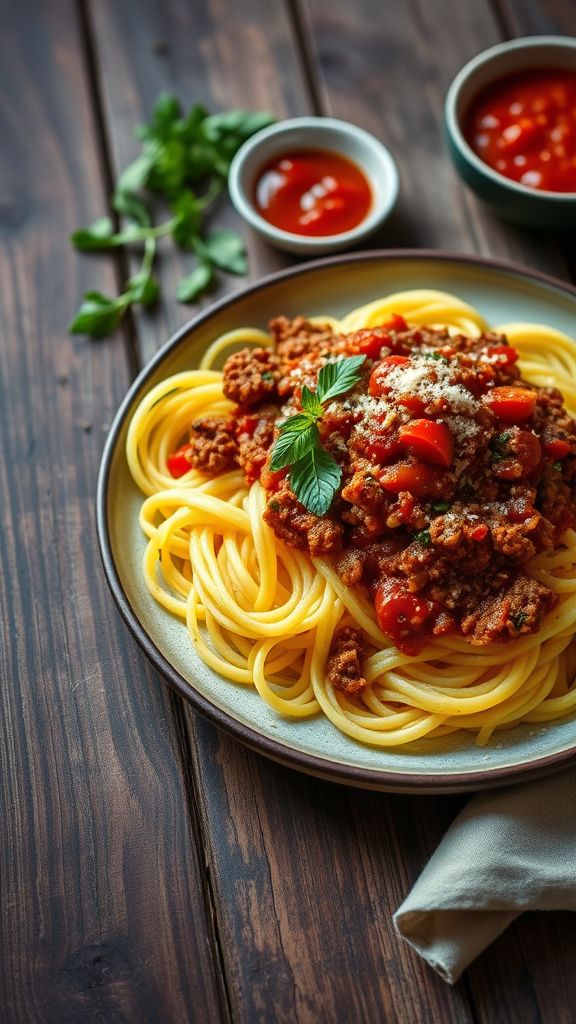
(321, 133)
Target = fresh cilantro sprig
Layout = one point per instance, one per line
(185, 161)
(315, 475)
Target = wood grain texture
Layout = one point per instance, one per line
(220, 54)
(103, 915)
(306, 875)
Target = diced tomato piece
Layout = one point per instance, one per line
(377, 386)
(510, 404)
(369, 345)
(178, 463)
(413, 403)
(416, 478)
(246, 425)
(429, 440)
(479, 532)
(381, 450)
(506, 355)
(395, 323)
(557, 448)
(400, 614)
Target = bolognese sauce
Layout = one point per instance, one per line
(455, 473)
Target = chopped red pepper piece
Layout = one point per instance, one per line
(178, 463)
(558, 448)
(416, 478)
(429, 440)
(377, 386)
(510, 404)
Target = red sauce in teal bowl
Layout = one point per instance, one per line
(313, 192)
(524, 127)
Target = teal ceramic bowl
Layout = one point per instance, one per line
(513, 201)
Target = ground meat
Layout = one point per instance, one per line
(320, 535)
(255, 435)
(298, 337)
(514, 611)
(344, 665)
(251, 375)
(212, 445)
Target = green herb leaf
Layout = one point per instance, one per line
(131, 205)
(165, 115)
(310, 402)
(557, 466)
(135, 176)
(143, 288)
(440, 506)
(518, 619)
(179, 152)
(292, 445)
(294, 424)
(98, 315)
(315, 479)
(500, 442)
(437, 356)
(190, 287)
(99, 235)
(338, 377)
(226, 250)
(423, 537)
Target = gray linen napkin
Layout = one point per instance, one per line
(508, 851)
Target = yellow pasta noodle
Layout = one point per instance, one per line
(263, 614)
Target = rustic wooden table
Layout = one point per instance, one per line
(152, 869)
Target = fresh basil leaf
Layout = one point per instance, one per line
(98, 315)
(99, 235)
(143, 288)
(310, 402)
(189, 213)
(315, 479)
(226, 250)
(131, 205)
(338, 377)
(294, 424)
(293, 445)
(190, 287)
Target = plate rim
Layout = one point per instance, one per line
(276, 750)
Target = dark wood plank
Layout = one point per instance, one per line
(387, 67)
(307, 875)
(223, 56)
(103, 915)
(283, 957)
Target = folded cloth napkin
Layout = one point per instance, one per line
(509, 850)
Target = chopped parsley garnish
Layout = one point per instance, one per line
(518, 619)
(499, 446)
(181, 154)
(267, 375)
(437, 356)
(557, 466)
(423, 537)
(440, 506)
(315, 475)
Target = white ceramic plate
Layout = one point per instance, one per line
(501, 292)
